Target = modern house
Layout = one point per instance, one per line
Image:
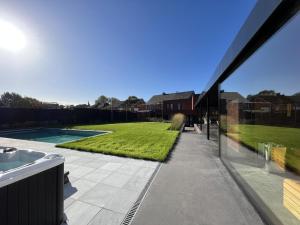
(258, 134)
(168, 104)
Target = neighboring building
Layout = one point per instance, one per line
(167, 104)
(258, 136)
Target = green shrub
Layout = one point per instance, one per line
(177, 121)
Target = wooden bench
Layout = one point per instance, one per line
(291, 196)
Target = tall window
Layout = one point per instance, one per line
(179, 106)
(260, 123)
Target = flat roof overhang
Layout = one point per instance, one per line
(265, 19)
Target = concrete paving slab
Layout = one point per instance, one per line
(68, 202)
(122, 200)
(116, 179)
(100, 195)
(135, 183)
(194, 188)
(112, 166)
(107, 217)
(82, 186)
(128, 169)
(98, 175)
(80, 213)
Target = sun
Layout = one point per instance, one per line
(11, 37)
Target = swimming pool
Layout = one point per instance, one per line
(50, 135)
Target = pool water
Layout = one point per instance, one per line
(50, 135)
(17, 158)
(10, 165)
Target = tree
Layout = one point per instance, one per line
(14, 100)
(101, 102)
(133, 101)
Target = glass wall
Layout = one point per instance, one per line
(260, 124)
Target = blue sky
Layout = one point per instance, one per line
(78, 50)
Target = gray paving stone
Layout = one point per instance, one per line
(98, 175)
(116, 179)
(96, 163)
(68, 202)
(82, 187)
(112, 166)
(145, 172)
(80, 171)
(80, 213)
(107, 217)
(128, 169)
(100, 195)
(122, 201)
(136, 184)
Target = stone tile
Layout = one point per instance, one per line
(81, 171)
(145, 172)
(96, 163)
(72, 179)
(122, 201)
(80, 213)
(100, 195)
(111, 166)
(68, 202)
(116, 179)
(98, 175)
(136, 162)
(150, 164)
(71, 158)
(70, 167)
(82, 161)
(128, 169)
(136, 184)
(82, 187)
(107, 217)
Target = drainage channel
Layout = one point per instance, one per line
(131, 213)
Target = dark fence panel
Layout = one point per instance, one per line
(16, 117)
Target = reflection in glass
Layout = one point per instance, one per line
(260, 123)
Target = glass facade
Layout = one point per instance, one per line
(260, 124)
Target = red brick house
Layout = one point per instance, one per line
(168, 104)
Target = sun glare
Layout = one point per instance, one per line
(11, 37)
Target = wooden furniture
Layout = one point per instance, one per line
(278, 156)
(291, 196)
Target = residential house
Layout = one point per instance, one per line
(167, 104)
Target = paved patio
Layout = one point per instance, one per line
(194, 188)
(102, 188)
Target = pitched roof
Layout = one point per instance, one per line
(156, 99)
(233, 96)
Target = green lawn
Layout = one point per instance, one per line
(288, 137)
(146, 140)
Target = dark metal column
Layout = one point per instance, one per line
(201, 116)
(219, 118)
(208, 112)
